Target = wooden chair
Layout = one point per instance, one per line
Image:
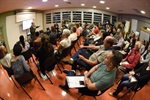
(25, 79)
(92, 93)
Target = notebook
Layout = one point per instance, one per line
(75, 81)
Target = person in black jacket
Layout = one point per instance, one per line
(142, 76)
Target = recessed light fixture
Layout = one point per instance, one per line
(29, 7)
(143, 12)
(94, 6)
(56, 5)
(82, 4)
(107, 8)
(65, 0)
(102, 1)
(44, 0)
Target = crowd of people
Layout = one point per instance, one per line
(104, 48)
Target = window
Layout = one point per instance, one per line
(87, 17)
(48, 18)
(56, 17)
(97, 17)
(106, 18)
(66, 16)
(76, 16)
(114, 20)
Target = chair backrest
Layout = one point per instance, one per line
(27, 54)
(65, 52)
(49, 63)
(25, 78)
(9, 70)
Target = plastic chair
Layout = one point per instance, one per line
(92, 93)
(27, 55)
(10, 73)
(64, 54)
(50, 65)
(25, 79)
(135, 87)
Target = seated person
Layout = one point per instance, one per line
(73, 35)
(142, 75)
(64, 43)
(132, 58)
(120, 42)
(101, 76)
(5, 57)
(95, 58)
(46, 50)
(24, 44)
(145, 57)
(18, 63)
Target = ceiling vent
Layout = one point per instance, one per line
(136, 10)
(68, 3)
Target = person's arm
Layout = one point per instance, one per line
(25, 65)
(134, 63)
(93, 47)
(88, 73)
(92, 63)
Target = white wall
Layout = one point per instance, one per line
(14, 29)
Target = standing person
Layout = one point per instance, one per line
(24, 44)
(32, 31)
(45, 51)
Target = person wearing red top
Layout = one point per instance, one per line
(132, 58)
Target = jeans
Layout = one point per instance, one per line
(124, 82)
(75, 56)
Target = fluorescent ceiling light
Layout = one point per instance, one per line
(65, 0)
(94, 6)
(102, 2)
(56, 5)
(82, 4)
(107, 8)
(29, 7)
(44, 0)
(143, 12)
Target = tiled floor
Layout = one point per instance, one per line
(8, 90)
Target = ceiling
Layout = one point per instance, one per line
(116, 6)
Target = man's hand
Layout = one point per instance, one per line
(81, 57)
(81, 46)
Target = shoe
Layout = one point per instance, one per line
(63, 87)
(71, 73)
(68, 61)
(44, 77)
(111, 94)
(66, 71)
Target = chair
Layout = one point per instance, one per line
(25, 79)
(10, 73)
(27, 55)
(135, 87)
(49, 65)
(92, 93)
(64, 54)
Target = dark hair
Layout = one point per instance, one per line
(46, 46)
(37, 34)
(111, 41)
(21, 39)
(73, 29)
(116, 58)
(17, 49)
